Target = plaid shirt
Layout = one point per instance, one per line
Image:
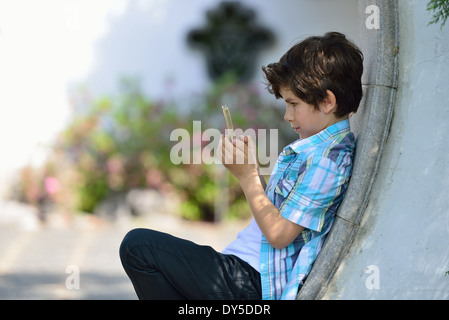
(308, 183)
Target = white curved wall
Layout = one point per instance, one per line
(401, 250)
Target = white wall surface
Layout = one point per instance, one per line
(48, 47)
(402, 248)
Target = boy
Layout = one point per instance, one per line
(320, 81)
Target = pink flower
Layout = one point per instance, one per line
(154, 178)
(52, 185)
(114, 164)
(197, 139)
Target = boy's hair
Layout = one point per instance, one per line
(317, 64)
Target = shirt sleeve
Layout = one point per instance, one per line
(318, 184)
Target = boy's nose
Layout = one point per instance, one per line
(288, 116)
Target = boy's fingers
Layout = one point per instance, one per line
(249, 144)
(228, 151)
(251, 150)
(238, 151)
(243, 138)
(220, 149)
(241, 145)
(228, 144)
(224, 146)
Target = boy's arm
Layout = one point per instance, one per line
(262, 181)
(279, 231)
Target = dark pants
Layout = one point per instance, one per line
(161, 266)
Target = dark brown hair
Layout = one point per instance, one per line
(317, 64)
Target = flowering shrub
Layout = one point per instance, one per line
(116, 144)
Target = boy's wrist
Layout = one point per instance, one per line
(250, 180)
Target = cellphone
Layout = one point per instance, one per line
(228, 119)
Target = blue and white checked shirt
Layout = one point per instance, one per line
(307, 185)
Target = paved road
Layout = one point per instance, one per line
(77, 257)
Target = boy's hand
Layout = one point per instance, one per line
(238, 156)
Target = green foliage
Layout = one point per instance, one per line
(117, 143)
(440, 9)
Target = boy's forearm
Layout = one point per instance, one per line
(278, 231)
(262, 181)
(253, 188)
(261, 207)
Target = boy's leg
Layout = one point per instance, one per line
(148, 282)
(161, 266)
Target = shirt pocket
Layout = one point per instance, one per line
(287, 182)
(283, 189)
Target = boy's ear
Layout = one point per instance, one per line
(329, 105)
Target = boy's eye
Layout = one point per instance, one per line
(291, 103)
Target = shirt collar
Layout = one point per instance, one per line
(322, 136)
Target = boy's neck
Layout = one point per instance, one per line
(335, 120)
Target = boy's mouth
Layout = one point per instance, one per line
(296, 129)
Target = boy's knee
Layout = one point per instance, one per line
(132, 239)
(133, 236)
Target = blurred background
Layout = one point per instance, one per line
(90, 92)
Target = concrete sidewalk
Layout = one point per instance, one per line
(46, 261)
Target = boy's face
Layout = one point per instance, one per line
(304, 118)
